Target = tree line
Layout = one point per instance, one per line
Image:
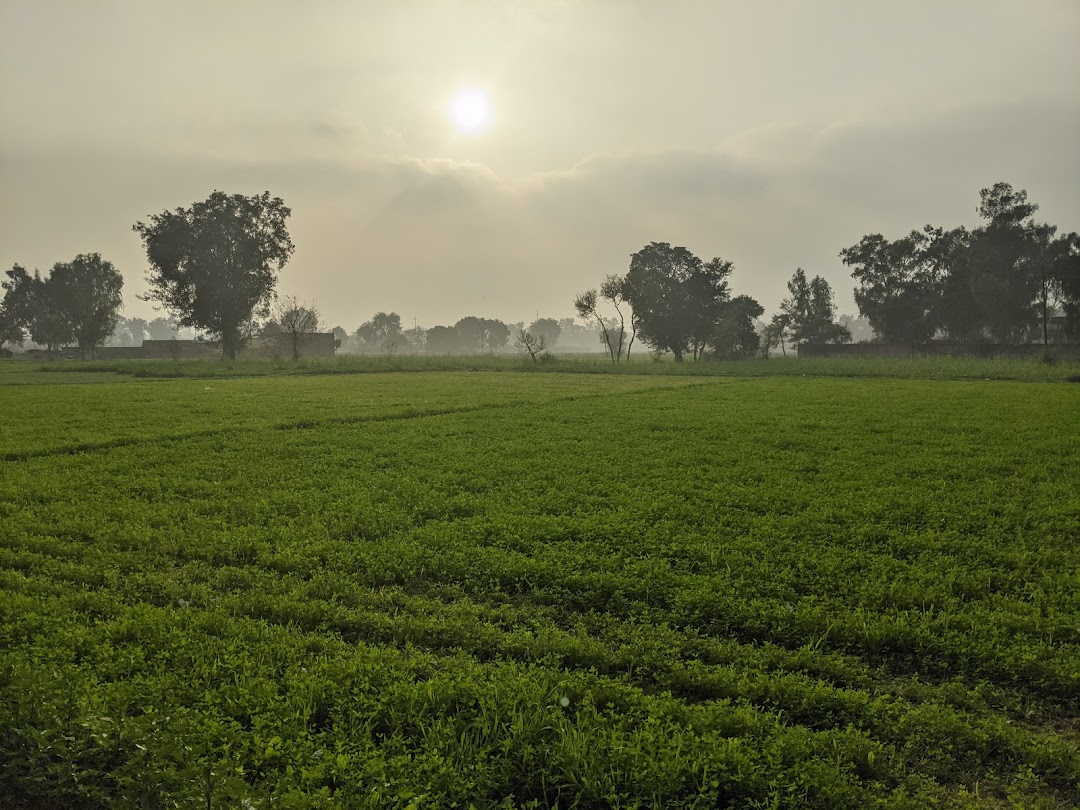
(214, 267)
(1000, 281)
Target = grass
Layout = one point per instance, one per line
(514, 590)
(642, 364)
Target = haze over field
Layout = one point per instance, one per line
(453, 158)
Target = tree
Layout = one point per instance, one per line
(496, 334)
(17, 306)
(88, 293)
(1064, 271)
(296, 320)
(586, 305)
(777, 333)
(546, 329)
(77, 302)
(10, 331)
(677, 299)
(613, 290)
(162, 328)
(476, 335)
(137, 327)
(441, 340)
(810, 312)
(214, 264)
(899, 285)
(997, 265)
(535, 345)
(382, 332)
(735, 337)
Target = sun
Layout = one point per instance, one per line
(471, 111)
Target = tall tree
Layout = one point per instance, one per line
(997, 266)
(677, 299)
(810, 312)
(215, 264)
(88, 291)
(899, 285)
(17, 306)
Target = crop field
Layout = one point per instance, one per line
(505, 589)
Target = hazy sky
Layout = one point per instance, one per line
(770, 133)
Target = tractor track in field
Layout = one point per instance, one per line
(311, 424)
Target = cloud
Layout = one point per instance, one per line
(441, 238)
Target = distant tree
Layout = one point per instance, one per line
(137, 327)
(859, 328)
(417, 339)
(735, 336)
(297, 320)
(677, 298)
(441, 340)
(88, 292)
(546, 329)
(163, 328)
(382, 333)
(497, 334)
(77, 302)
(535, 345)
(476, 335)
(341, 337)
(810, 312)
(576, 336)
(214, 264)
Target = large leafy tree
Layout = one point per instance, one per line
(79, 301)
(215, 263)
(736, 336)
(997, 266)
(88, 291)
(18, 306)
(899, 285)
(809, 310)
(676, 298)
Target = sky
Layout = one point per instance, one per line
(772, 134)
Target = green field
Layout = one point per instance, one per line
(662, 587)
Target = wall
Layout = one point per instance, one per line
(1060, 351)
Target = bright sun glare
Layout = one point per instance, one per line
(471, 111)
